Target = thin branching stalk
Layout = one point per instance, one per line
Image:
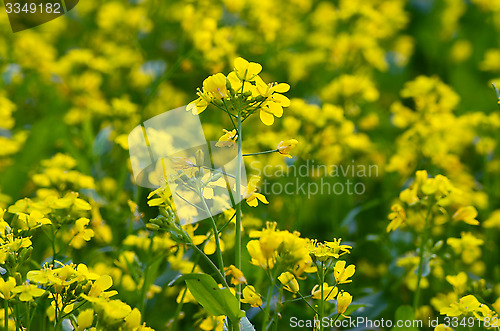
(423, 240)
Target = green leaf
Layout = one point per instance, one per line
(405, 313)
(217, 301)
(246, 325)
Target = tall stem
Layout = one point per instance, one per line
(216, 235)
(322, 304)
(423, 240)
(142, 304)
(6, 314)
(238, 206)
(268, 302)
(219, 275)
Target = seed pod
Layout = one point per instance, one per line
(152, 227)
(200, 158)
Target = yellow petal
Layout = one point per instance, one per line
(266, 117)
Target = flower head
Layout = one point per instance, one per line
(6, 288)
(228, 139)
(343, 301)
(246, 71)
(237, 275)
(27, 291)
(342, 273)
(284, 147)
(216, 85)
(329, 292)
(251, 297)
(289, 282)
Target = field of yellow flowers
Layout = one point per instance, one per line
(349, 176)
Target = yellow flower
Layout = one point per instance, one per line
(342, 273)
(397, 217)
(228, 139)
(100, 286)
(274, 102)
(493, 221)
(329, 292)
(237, 276)
(260, 256)
(338, 249)
(133, 320)
(251, 196)
(81, 233)
(468, 245)
(85, 319)
(263, 251)
(442, 327)
(216, 85)
(459, 282)
(188, 297)
(213, 323)
(464, 306)
(321, 251)
(273, 107)
(284, 147)
(246, 71)
(199, 105)
(496, 305)
(467, 214)
(27, 292)
(343, 301)
(34, 219)
(251, 297)
(211, 247)
(289, 282)
(3, 225)
(114, 311)
(6, 288)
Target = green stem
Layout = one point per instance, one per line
(238, 207)
(6, 315)
(278, 309)
(216, 235)
(53, 244)
(265, 152)
(142, 304)
(28, 320)
(268, 302)
(322, 304)
(210, 263)
(181, 303)
(305, 300)
(421, 256)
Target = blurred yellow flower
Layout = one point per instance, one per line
(6, 288)
(467, 214)
(28, 292)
